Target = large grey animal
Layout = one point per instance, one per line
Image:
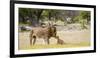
(43, 32)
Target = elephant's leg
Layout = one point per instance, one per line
(31, 41)
(34, 37)
(31, 38)
(47, 40)
(57, 37)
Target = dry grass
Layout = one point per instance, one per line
(72, 39)
(38, 46)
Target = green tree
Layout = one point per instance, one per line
(83, 18)
(33, 15)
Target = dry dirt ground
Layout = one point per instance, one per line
(72, 39)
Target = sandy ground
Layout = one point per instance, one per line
(71, 38)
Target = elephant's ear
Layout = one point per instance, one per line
(43, 25)
(50, 23)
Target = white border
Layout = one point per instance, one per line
(51, 50)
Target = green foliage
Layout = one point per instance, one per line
(30, 16)
(83, 18)
(85, 14)
(77, 19)
(39, 14)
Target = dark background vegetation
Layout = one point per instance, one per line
(35, 17)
